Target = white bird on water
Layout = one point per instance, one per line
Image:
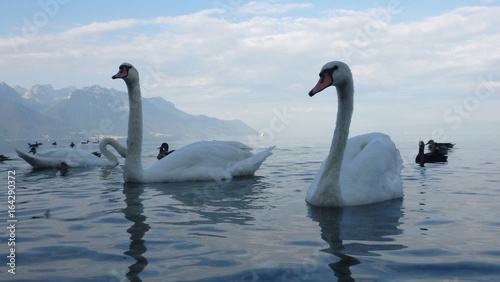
(75, 157)
(362, 170)
(199, 161)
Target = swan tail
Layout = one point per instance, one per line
(250, 165)
(37, 162)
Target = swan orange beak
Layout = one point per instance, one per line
(325, 80)
(122, 73)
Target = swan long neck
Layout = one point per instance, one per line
(118, 147)
(330, 180)
(133, 171)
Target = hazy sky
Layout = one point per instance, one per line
(415, 63)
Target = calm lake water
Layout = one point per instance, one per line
(89, 226)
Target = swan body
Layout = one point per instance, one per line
(199, 161)
(74, 157)
(357, 171)
(206, 161)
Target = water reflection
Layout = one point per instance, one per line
(368, 229)
(134, 212)
(37, 174)
(195, 203)
(214, 202)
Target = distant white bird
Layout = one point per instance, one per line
(362, 170)
(74, 157)
(200, 161)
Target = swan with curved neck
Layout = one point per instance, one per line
(362, 170)
(75, 157)
(103, 148)
(199, 161)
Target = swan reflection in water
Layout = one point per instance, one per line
(196, 203)
(134, 211)
(368, 229)
(214, 202)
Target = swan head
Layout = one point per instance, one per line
(127, 72)
(333, 73)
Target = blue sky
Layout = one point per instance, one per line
(433, 64)
(80, 13)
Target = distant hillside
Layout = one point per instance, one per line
(44, 112)
(18, 121)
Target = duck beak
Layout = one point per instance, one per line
(325, 80)
(122, 73)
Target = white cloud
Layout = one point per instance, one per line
(201, 61)
(266, 8)
(101, 27)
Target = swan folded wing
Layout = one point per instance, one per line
(235, 144)
(78, 158)
(199, 161)
(53, 157)
(250, 165)
(371, 171)
(40, 162)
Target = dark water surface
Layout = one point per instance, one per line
(89, 226)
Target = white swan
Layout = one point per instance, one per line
(362, 170)
(200, 161)
(75, 157)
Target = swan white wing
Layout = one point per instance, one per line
(250, 165)
(56, 153)
(204, 161)
(72, 157)
(236, 144)
(41, 162)
(371, 170)
(200, 161)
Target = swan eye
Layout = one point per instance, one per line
(127, 67)
(328, 71)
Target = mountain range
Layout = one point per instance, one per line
(43, 112)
